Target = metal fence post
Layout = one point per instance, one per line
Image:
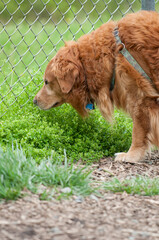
(148, 5)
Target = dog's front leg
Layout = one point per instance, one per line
(139, 142)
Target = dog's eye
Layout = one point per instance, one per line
(46, 82)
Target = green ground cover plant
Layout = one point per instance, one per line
(41, 133)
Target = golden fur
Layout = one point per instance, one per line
(82, 71)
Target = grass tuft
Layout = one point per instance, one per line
(17, 172)
(135, 185)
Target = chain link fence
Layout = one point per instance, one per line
(31, 32)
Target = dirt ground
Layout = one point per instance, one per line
(111, 217)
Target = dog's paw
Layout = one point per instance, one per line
(125, 157)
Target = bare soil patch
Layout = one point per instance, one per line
(112, 216)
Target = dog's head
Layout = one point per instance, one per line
(62, 74)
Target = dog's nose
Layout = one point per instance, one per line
(35, 101)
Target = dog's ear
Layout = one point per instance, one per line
(69, 66)
(67, 81)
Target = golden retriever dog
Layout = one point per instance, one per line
(81, 74)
